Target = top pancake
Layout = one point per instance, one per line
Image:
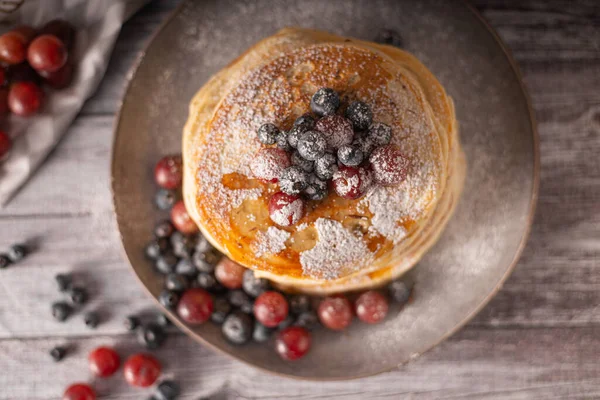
(274, 82)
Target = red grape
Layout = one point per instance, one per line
(5, 145)
(59, 79)
(79, 391)
(371, 307)
(47, 53)
(269, 163)
(62, 30)
(24, 98)
(182, 220)
(335, 312)
(104, 361)
(292, 343)
(271, 308)
(141, 370)
(390, 166)
(13, 48)
(285, 209)
(229, 273)
(195, 306)
(26, 31)
(168, 172)
(336, 129)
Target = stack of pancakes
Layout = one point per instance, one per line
(340, 244)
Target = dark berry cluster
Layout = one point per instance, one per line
(351, 151)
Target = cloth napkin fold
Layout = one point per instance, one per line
(98, 23)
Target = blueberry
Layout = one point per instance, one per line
(360, 114)
(389, 36)
(185, 267)
(164, 229)
(131, 323)
(399, 291)
(287, 322)
(380, 134)
(239, 299)
(61, 311)
(162, 320)
(282, 141)
(350, 156)
(294, 135)
(168, 299)
(238, 328)
(305, 165)
(206, 281)
(326, 166)
(316, 189)
(183, 245)
(205, 262)
(17, 252)
(166, 199)
(221, 309)
(254, 286)
(325, 101)
(299, 303)
(305, 121)
(151, 336)
(307, 320)
(4, 261)
(156, 248)
(58, 353)
(267, 133)
(203, 245)
(312, 145)
(168, 390)
(78, 295)
(261, 333)
(293, 180)
(63, 282)
(166, 263)
(365, 144)
(176, 283)
(91, 319)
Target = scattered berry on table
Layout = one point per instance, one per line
(195, 306)
(4, 261)
(371, 307)
(182, 220)
(271, 308)
(5, 145)
(151, 335)
(317, 189)
(335, 312)
(168, 299)
(13, 48)
(131, 323)
(292, 343)
(325, 101)
(326, 166)
(61, 311)
(261, 333)
(311, 145)
(168, 172)
(186, 268)
(79, 391)
(176, 283)
(307, 320)
(24, 98)
(336, 130)
(229, 273)
(104, 361)
(380, 134)
(299, 303)
(183, 245)
(203, 245)
(141, 370)
(285, 209)
(282, 141)
(238, 328)
(222, 308)
(162, 320)
(305, 121)
(166, 199)
(305, 165)
(399, 291)
(206, 281)
(349, 155)
(156, 248)
(389, 165)
(269, 163)
(78, 295)
(166, 263)
(61, 29)
(17, 252)
(360, 114)
(287, 322)
(267, 133)
(293, 180)
(91, 319)
(63, 282)
(240, 300)
(252, 285)
(58, 353)
(164, 229)
(168, 390)
(205, 261)
(348, 182)
(47, 53)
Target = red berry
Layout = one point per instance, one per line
(26, 31)
(335, 312)
(269, 163)
(270, 309)
(104, 361)
(141, 370)
(182, 220)
(390, 166)
(62, 30)
(5, 145)
(13, 48)
(371, 307)
(336, 130)
(351, 182)
(47, 53)
(24, 98)
(285, 209)
(229, 273)
(168, 172)
(195, 306)
(59, 79)
(79, 391)
(292, 343)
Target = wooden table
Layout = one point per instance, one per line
(539, 337)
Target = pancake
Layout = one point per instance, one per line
(339, 244)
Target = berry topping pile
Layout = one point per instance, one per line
(351, 152)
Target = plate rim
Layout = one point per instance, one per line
(131, 75)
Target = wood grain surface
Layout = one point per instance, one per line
(539, 338)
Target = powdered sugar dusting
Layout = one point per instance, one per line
(288, 213)
(337, 251)
(270, 242)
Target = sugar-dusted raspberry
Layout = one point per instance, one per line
(269, 163)
(389, 165)
(352, 182)
(336, 130)
(285, 209)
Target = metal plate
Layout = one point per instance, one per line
(482, 242)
